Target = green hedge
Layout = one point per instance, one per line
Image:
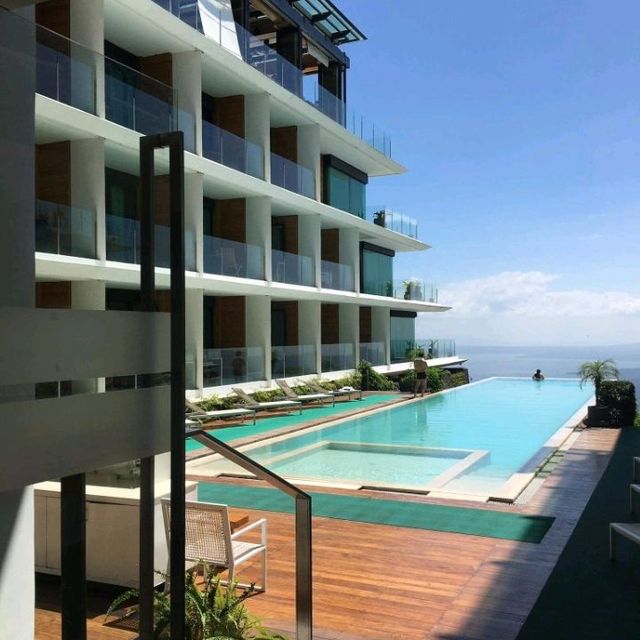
(371, 380)
(619, 396)
(435, 380)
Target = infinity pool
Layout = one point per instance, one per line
(483, 440)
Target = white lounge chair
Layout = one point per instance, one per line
(208, 538)
(194, 412)
(336, 394)
(628, 530)
(267, 406)
(320, 397)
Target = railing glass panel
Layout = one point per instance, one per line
(123, 243)
(65, 230)
(338, 276)
(389, 219)
(233, 365)
(231, 150)
(372, 352)
(337, 357)
(292, 176)
(296, 360)
(65, 71)
(414, 289)
(230, 258)
(437, 347)
(292, 268)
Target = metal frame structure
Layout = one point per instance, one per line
(148, 144)
(304, 595)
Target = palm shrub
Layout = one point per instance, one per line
(596, 372)
(212, 611)
(371, 380)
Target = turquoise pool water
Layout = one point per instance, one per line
(468, 440)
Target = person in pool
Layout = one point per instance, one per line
(420, 366)
(538, 375)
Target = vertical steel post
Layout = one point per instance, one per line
(73, 565)
(304, 613)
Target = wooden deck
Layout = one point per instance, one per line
(383, 583)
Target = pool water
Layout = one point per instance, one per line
(469, 440)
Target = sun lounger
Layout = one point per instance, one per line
(631, 531)
(320, 397)
(194, 412)
(346, 391)
(267, 406)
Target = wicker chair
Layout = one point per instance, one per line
(208, 538)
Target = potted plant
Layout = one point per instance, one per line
(378, 218)
(596, 372)
(412, 289)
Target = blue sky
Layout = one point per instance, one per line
(519, 123)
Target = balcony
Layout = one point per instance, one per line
(123, 243)
(65, 230)
(337, 357)
(389, 219)
(270, 63)
(229, 258)
(337, 276)
(411, 289)
(372, 352)
(233, 365)
(402, 350)
(292, 176)
(292, 268)
(294, 360)
(232, 151)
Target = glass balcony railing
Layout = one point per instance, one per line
(123, 243)
(389, 219)
(402, 350)
(414, 289)
(292, 268)
(296, 360)
(292, 176)
(65, 71)
(372, 352)
(230, 258)
(233, 365)
(231, 150)
(337, 276)
(65, 230)
(337, 357)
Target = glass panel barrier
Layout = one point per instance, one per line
(337, 357)
(389, 219)
(230, 258)
(65, 71)
(292, 268)
(372, 352)
(231, 150)
(414, 289)
(123, 243)
(292, 176)
(65, 230)
(437, 347)
(295, 360)
(338, 276)
(233, 365)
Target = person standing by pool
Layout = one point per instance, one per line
(420, 366)
(537, 375)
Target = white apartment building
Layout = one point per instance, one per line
(289, 272)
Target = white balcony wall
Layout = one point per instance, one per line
(349, 318)
(88, 185)
(193, 336)
(187, 80)
(193, 223)
(258, 327)
(381, 328)
(258, 218)
(350, 253)
(310, 243)
(309, 152)
(309, 327)
(257, 125)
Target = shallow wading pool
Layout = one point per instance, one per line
(483, 440)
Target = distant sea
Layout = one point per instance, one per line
(562, 362)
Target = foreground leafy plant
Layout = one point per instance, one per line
(212, 611)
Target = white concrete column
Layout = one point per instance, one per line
(309, 152)
(187, 80)
(310, 242)
(88, 185)
(257, 126)
(87, 29)
(258, 328)
(350, 253)
(193, 338)
(349, 318)
(309, 328)
(193, 223)
(381, 329)
(258, 218)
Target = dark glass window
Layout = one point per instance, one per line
(345, 192)
(376, 272)
(403, 336)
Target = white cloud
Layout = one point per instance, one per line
(528, 308)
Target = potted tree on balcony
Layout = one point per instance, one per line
(596, 372)
(412, 289)
(378, 218)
